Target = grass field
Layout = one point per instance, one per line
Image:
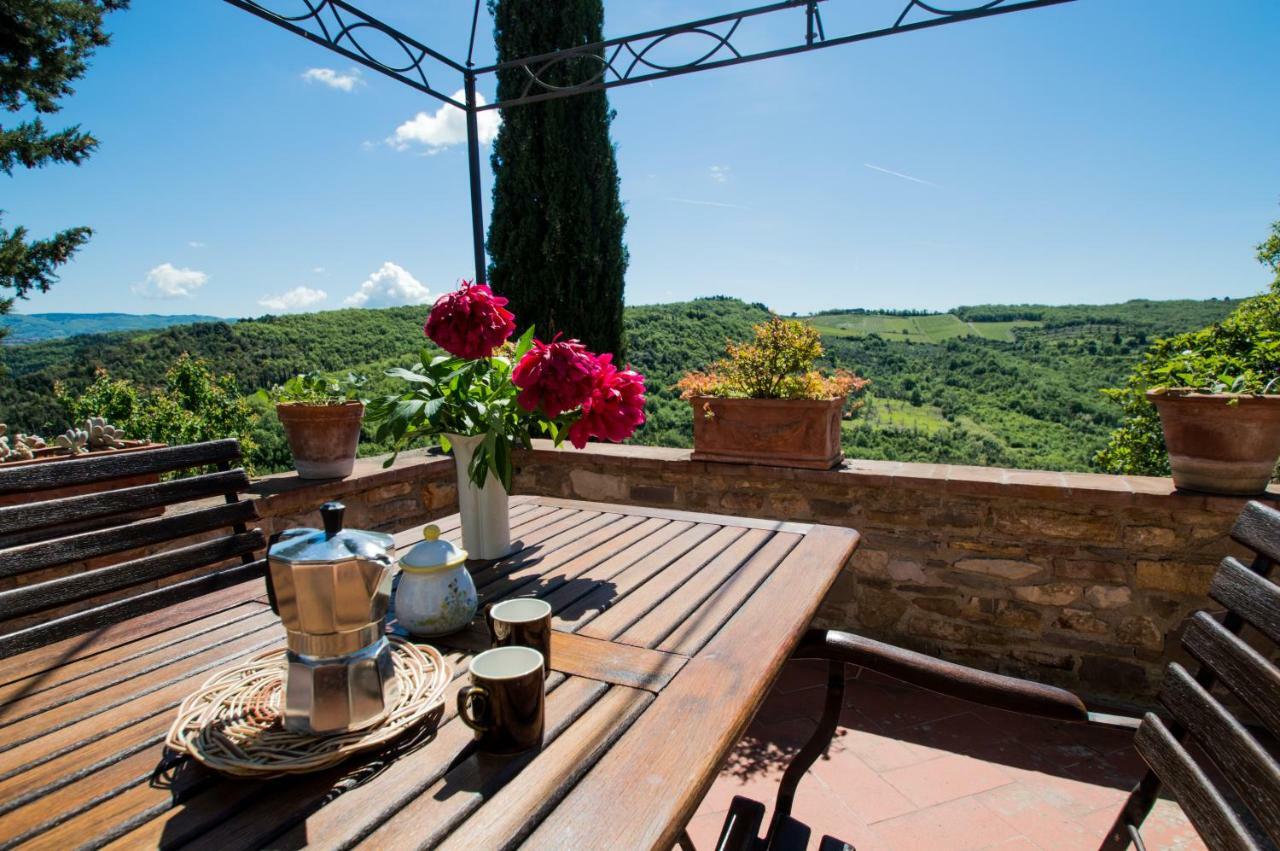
(915, 329)
(898, 413)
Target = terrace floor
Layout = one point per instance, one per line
(914, 771)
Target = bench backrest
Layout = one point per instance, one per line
(1226, 817)
(118, 507)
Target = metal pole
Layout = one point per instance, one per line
(473, 160)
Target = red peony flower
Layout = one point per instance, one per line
(470, 322)
(558, 376)
(615, 408)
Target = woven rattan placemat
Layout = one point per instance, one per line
(233, 723)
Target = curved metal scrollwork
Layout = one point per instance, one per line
(347, 30)
(620, 61)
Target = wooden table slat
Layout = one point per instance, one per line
(661, 776)
(610, 592)
(81, 688)
(686, 606)
(727, 549)
(92, 643)
(660, 660)
(519, 805)
(466, 784)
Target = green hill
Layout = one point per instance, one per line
(1009, 385)
(35, 327)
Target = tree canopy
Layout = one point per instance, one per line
(555, 239)
(45, 45)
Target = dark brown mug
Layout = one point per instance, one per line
(506, 701)
(522, 622)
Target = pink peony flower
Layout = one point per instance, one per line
(470, 322)
(558, 376)
(615, 408)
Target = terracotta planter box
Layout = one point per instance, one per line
(1219, 447)
(46, 456)
(322, 438)
(772, 432)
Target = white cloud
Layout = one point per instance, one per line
(168, 281)
(334, 79)
(720, 173)
(195, 244)
(390, 286)
(319, 270)
(297, 298)
(447, 126)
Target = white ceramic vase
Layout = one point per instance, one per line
(486, 524)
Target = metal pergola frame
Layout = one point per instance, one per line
(351, 32)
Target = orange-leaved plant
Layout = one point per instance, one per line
(777, 364)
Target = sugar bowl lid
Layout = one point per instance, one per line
(332, 543)
(432, 552)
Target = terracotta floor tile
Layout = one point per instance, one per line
(960, 825)
(800, 703)
(880, 750)
(801, 674)
(894, 705)
(912, 770)
(861, 789)
(945, 779)
(972, 735)
(1033, 811)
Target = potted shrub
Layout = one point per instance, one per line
(1213, 394)
(766, 404)
(321, 419)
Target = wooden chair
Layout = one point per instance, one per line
(41, 533)
(1234, 819)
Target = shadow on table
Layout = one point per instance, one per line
(203, 800)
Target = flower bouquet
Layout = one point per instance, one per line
(487, 396)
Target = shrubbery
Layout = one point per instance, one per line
(1240, 354)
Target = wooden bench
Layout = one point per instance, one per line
(1240, 814)
(51, 548)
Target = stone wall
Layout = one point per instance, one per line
(1076, 579)
(417, 488)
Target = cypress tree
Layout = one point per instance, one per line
(555, 237)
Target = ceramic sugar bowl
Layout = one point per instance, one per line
(436, 595)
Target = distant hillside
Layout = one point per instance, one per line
(36, 327)
(1150, 319)
(1006, 385)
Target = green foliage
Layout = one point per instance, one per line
(555, 236)
(1240, 354)
(313, 388)
(1029, 402)
(777, 364)
(452, 395)
(193, 405)
(44, 46)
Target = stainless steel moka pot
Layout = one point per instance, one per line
(331, 588)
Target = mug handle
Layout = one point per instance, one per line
(468, 697)
(488, 621)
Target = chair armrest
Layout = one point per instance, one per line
(943, 677)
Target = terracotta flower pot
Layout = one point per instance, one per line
(1218, 447)
(772, 432)
(322, 438)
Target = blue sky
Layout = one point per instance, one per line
(1090, 152)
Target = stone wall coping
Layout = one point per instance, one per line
(1088, 489)
(287, 492)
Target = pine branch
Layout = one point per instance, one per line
(26, 266)
(31, 146)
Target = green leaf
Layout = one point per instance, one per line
(401, 372)
(525, 343)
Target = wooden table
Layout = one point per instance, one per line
(671, 628)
